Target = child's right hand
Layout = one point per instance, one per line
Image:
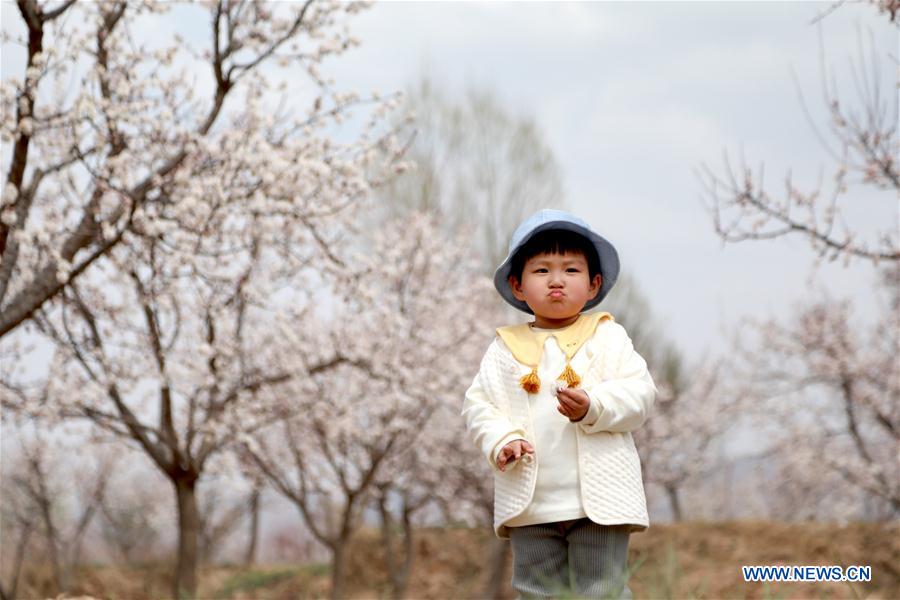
(512, 452)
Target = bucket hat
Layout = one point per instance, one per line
(549, 218)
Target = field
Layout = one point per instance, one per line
(685, 560)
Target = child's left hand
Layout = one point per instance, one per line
(573, 402)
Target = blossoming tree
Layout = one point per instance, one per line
(823, 385)
(832, 387)
(402, 322)
(864, 143)
(51, 493)
(166, 239)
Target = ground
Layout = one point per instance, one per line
(684, 560)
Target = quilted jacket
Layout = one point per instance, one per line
(622, 393)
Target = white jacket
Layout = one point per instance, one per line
(615, 377)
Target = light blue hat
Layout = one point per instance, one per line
(549, 218)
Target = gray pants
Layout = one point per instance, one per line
(570, 558)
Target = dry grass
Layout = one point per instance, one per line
(685, 560)
(703, 560)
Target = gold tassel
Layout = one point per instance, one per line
(531, 382)
(570, 377)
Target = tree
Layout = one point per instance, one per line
(833, 390)
(440, 471)
(165, 251)
(89, 167)
(864, 145)
(255, 503)
(469, 485)
(133, 514)
(44, 492)
(18, 522)
(220, 517)
(693, 412)
(478, 166)
(822, 387)
(357, 424)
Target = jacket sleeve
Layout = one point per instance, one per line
(623, 395)
(486, 425)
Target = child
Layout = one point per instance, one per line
(552, 408)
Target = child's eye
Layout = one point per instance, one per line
(540, 270)
(573, 269)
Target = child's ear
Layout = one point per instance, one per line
(595, 285)
(516, 288)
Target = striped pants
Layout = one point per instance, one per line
(570, 558)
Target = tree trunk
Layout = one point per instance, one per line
(185, 584)
(398, 572)
(387, 543)
(250, 555)
(338, 566)
(499, 561)
(22, 544)
(674, 502)
(408, 555)
(52, 537)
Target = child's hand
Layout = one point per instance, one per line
(573, 402)
(513, 451)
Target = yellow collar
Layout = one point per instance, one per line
(527, 345)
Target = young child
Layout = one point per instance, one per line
(552, 408)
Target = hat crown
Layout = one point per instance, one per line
(545, 215)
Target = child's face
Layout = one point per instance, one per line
(555, 287)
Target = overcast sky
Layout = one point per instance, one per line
(633, 97)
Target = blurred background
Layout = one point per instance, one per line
(246, 280)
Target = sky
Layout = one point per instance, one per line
(633, 98)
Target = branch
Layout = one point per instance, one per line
(45, 285)
(31, 14)
(137, 430)
(166, 422)
(246, 67)
(751, 202)
(58, 11)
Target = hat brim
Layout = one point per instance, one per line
(606, 254)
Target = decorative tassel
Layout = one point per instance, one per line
(570, 376)
(531, 382)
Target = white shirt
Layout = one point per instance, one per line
(557, 495)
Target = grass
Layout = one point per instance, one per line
(249, 581)
(770, 594)
(666, 578)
